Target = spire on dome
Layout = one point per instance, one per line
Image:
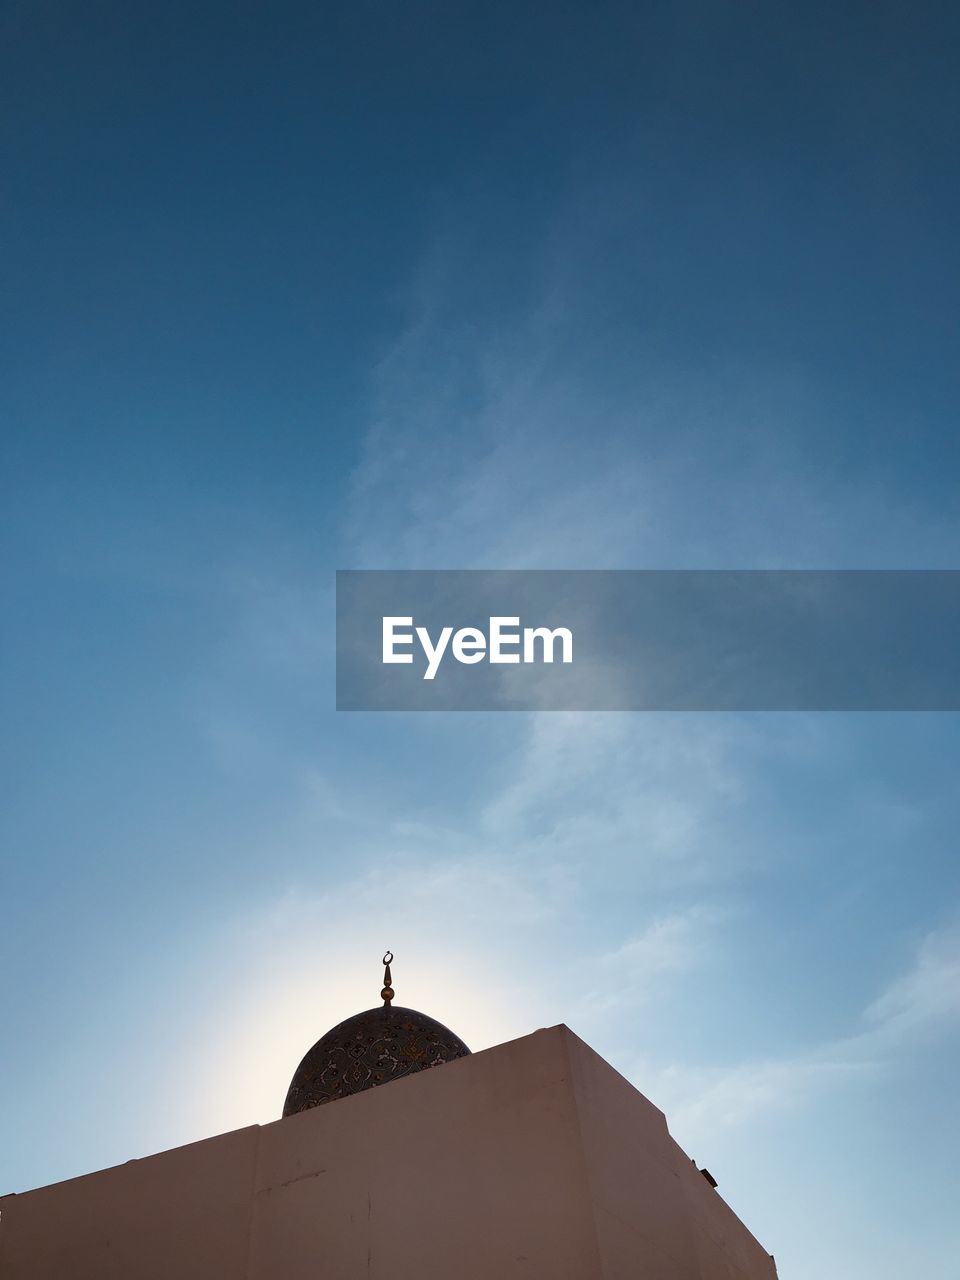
(387, 993)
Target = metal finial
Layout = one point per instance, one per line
(387, 992)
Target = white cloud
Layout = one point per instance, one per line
(702, 1100)
(639, 792)
(644, 963)
(921, 1001)
(494, 446)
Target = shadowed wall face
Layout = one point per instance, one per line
(532, 1159)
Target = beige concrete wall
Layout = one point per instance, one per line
(182, 1214)
(533, 1159)
(656, 1216)
(471, 1170)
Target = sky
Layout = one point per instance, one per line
(292, 288)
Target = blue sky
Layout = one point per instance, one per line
(449, 286)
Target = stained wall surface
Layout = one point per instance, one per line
(534, 1159)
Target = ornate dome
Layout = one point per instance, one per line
(370, 1048)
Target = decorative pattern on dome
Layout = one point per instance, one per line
(370, 1049)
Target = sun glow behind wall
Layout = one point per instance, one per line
(292, 976)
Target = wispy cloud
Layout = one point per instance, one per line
(645, 963)
(701, 1101)
(923, 1000)
(494, 444)
(921, 1003)
(642, 789)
